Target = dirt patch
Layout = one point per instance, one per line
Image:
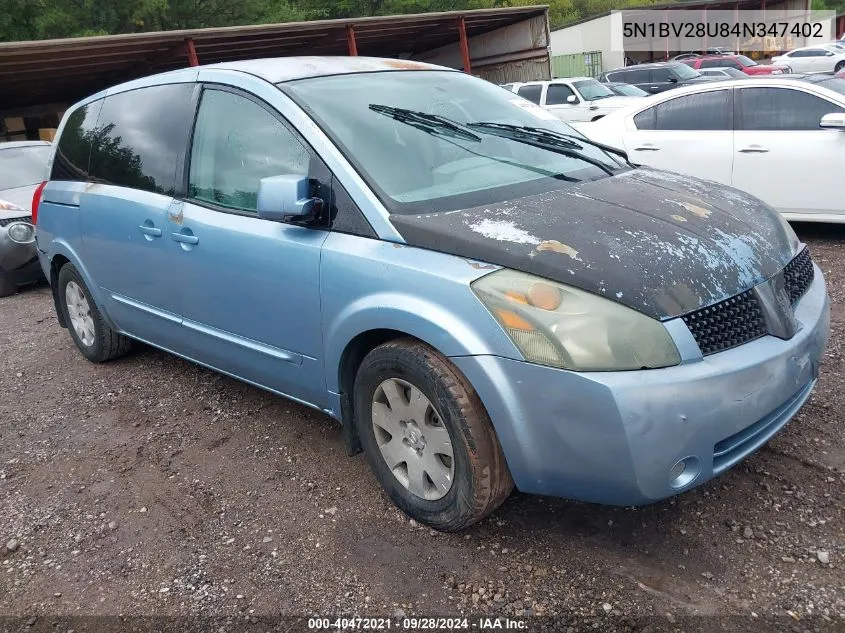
(152, 486)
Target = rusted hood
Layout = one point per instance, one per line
(658, 242)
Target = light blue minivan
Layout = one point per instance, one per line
(480, 295)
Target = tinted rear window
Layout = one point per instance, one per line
(140, 137)
(73, 152)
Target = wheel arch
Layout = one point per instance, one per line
(62, 253)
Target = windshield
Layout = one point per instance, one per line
(23, 166)
(628, 90)
(592, 89)
(835, 84)
(407, 135)
(745, 61)
(685, 72)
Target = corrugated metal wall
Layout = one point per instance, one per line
(519, 52)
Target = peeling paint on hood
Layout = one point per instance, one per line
(658, 242)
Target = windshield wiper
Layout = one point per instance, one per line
(566, 144)
(570, 139)
(429, 123)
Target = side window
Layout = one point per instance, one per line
(711, 63)
(141, 136)
(731, 63)
(346, 217)
(782, 109)
(661, 75)
(645, 119)
(237, 143)
(704, 111)
(557, 94)
(73, 153)
(532, 93)
(633, 76)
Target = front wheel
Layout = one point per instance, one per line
(427, 436)
(839, 66)
(94, 338)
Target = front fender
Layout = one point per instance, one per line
(371, 285)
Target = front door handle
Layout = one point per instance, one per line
(754, 149)
(647, 147)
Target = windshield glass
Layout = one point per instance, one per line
(404, 133)
(745, 61)
(835, 84)
(685, 72)
(628, 90)
(592, 89)
(23, 166)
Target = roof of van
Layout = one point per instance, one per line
(278, 69)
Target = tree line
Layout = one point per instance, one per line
(44, 19)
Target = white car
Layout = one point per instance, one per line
(782, 140)
(574, 99)
(812, 59)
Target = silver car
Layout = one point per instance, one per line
(22, 168)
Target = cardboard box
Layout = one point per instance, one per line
(15, 124)
(47, 133)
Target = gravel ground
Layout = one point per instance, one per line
(152, 486)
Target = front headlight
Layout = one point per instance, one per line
(553, 324)
(21, 232)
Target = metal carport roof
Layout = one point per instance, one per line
(64, 70)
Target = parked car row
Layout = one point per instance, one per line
(574, 99)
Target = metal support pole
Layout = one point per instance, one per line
(350, 39)
(462, 30)
(193, 60)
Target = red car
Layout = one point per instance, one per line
(740, 62)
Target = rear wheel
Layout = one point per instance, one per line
(427, 436)
(96, 340)
(6, 287)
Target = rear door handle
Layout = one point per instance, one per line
(647, 147)
(754, 149)
(185, 239)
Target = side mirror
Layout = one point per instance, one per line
(283, 197)
(572, 99)
(833, 121)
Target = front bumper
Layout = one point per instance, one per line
(18, 262)
(613, 437)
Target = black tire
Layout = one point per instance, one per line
(107, 344)
(7, 288)
(481, 478)
(839, 66)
